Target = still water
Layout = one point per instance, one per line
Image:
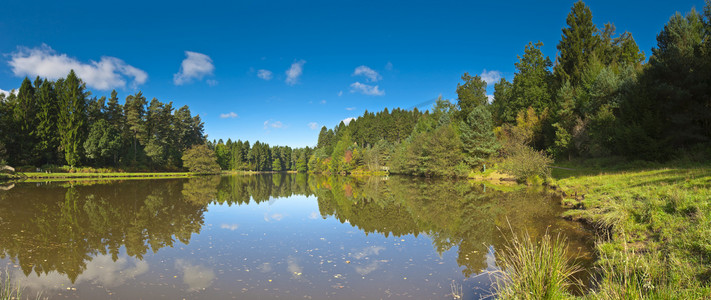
(288, 236)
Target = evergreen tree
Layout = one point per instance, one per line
(47, 132)
(470, 94)
(134, 109)
(577, 44)
(477, 135)
(72, 117)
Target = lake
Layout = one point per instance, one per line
(288, 236)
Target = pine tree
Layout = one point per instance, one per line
(72, 117)
(47, 131)
(477, 135)
(470, 94)
(577, 44)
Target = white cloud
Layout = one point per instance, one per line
(194, 66)
(348, 120)
(211, 82)
(294, 72)
(264, 74)
(7, 93)
(323, 101)
(491, 98)
(389, 66)
(490, 77)
(350, 108)
(229, 115)
(366, 89)
(313, 125)
(269, 124)
(107, 73)
(340, 93)
(369, 73)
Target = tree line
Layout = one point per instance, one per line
(58, 122)
(598, 99)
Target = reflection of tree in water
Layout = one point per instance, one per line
(453, 213)
(54, 228)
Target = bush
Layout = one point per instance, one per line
(525, 162)
(200, 159)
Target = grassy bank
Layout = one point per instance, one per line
(654, 225)
(39, 175)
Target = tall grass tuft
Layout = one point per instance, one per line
(7, 290)
(536, 270)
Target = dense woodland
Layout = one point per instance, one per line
(51, 123)
(598, 98)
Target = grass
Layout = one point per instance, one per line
(8, 291)
(654, 226)
(536, 270)
(38, 175)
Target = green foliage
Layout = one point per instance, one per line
(576, 45)
(103, 143)
(200, 159)
(525, 162)
(72, 117)
(470, 94)
(477, 136)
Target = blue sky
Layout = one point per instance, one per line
(276, 71)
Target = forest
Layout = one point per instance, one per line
(55, 123)
(599, 97)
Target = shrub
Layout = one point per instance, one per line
(200, 159)
(525, 162)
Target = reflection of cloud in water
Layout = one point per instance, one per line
(314, 215)
(491, 259)
(197, 277)
(367, 269)
(265, 267)
(101, 270)
(372, 250)
(231, 227)
(275, 217)
(293, 267)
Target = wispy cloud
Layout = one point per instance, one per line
(229, 115)
(323, 101)
(294, 72)
(265, 74)
(348, 120)
(269, 124)
(366, 89)
(194, 66)
(107, 73)
(369, 73)
(340, 93)
(350, 108)
(490, 77)
(389, 66)
(313, 125)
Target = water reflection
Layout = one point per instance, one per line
(65, 234)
